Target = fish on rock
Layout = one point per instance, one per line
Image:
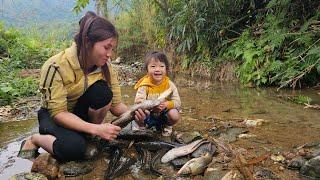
(128, 116)
(182, 150)
(196, 165)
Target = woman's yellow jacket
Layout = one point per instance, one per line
(62, 81)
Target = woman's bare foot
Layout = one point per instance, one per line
(28, 150)
(28, 145)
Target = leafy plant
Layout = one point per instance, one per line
(22, 51)
(301, 99)
(279, 55)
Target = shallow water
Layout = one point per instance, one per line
(288, 124)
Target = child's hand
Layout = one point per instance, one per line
(161, 106)
(140, 115)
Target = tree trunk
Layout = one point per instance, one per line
(101, 7)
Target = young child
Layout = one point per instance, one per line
(155, 82)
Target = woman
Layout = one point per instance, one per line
(78, 87)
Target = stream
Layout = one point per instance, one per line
(204, 103)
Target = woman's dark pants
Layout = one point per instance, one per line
(69, 144)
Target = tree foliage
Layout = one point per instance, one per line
(282, 47)
(274, 42)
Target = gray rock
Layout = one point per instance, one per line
(311, 168)
(28, 175)
(231, 134)
(214, 173)
(187, 137)
(263, 173)
(296, 163)
(47, 165)
(72, 168)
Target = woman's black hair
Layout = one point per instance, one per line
(93, 29)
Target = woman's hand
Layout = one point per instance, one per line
(140, 116)
(107, 131)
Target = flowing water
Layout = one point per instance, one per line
(203, 104)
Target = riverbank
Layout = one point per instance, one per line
(215, 110)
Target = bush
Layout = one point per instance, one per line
(282, 48)
(20, 51)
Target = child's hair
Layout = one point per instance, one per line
(158, 56)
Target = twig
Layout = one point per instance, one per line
(306, 49)
(314, 106)
(296, 78)
(242, 166)
(258, 159)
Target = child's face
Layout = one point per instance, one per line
(156, 71)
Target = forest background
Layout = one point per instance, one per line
(261, 42)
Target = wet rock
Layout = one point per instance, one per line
(304, 152)
(313, 154)
(214, 172)
(215, 131)
(289, 155)
(179, 162)
(45, 164)
(262, 173)
(311, 168)
(73, 168)
(231, 134)
(253, 122)
(296, 163)
(205, 148)
(233, 174)
(246, 136)
(28, 176)
(277, 158)
(187, 137)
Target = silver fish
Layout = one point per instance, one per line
(128, 116)
(182, 151)
(196, 165)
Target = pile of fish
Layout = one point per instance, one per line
(188, 158)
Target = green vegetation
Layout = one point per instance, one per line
(273, 43)
(301, 99)
(282, 47)
(19, 51)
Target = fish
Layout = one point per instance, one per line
(114, 163)
(196, 165)
(182, 150)
(137, 135)
(128, 116)
(153, 168)
(156, 145)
